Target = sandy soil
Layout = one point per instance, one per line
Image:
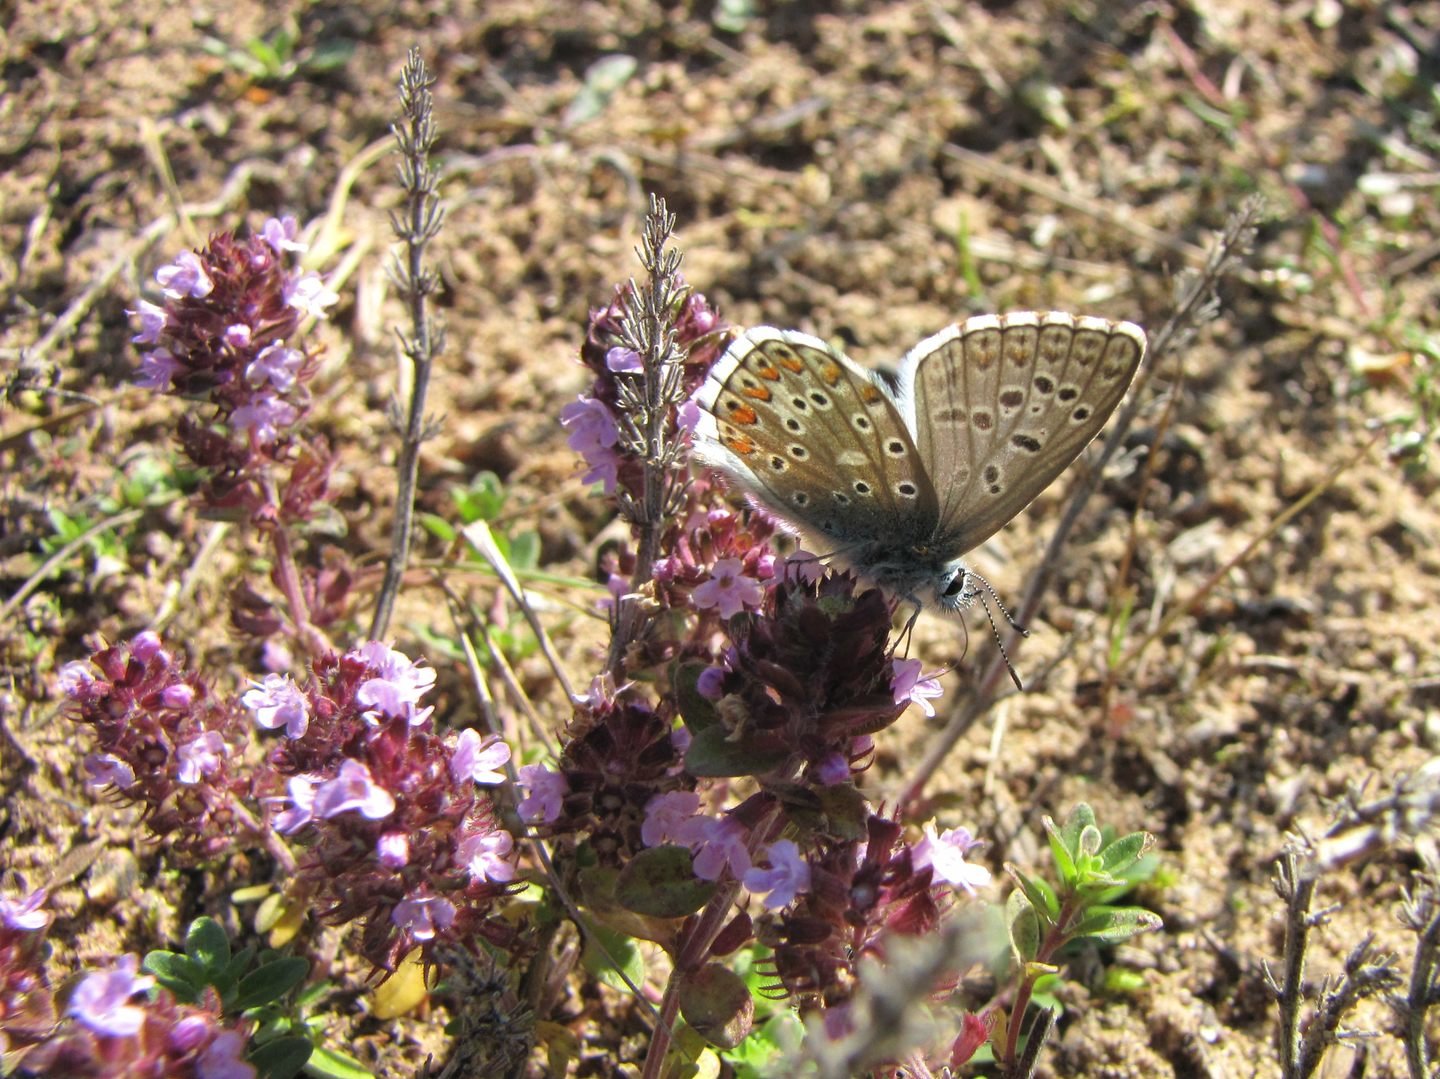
(868, 173)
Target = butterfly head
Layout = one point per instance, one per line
(955, 588)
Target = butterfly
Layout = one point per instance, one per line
(901, 477)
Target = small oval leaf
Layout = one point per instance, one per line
(717, 1005)
(660, 882)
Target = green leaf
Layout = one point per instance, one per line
(1023, 926)
(270, 982)
(227, 979)
(660, 882)
(330, 55)
(1111, 925)
(265, 53)
(281, 1058)
(698, 712)
(1038, 891)
(1117, 856)
(207, 944)
(178, 973)
(617, 949)
(329, 1064)
(717, 1005)
(1060, 851)
(438, 527)
(1080, 818)
(603, 79)
(525, 550)
(482, 500)
(713, 755)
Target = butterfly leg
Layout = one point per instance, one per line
(907, 633)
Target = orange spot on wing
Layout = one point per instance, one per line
(792, 364)
(869, 394)
(744, 414)
(760, 393)
(830, 373)
(743, 446)
(768, 373)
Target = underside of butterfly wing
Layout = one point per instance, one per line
(1002, 404)
(815, 439)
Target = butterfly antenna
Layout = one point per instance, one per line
(994, 629)
(1016, 626)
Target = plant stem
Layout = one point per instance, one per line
(419, 224)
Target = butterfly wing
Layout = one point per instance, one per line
(1002, 404)
(816, 439)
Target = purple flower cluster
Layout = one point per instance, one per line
(223, 335)
(771, 673)
(393, 818)
(592, 419)
(120, 1024)
(857, 894)
(27, 1009)
(163, 742)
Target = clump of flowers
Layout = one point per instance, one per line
(118, 1023)
(163, 742)
(743, 694)
(27, 1010)
(223, 335)
(393, 819)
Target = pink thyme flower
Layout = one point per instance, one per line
(223, 1058)
(624, 361)
(975, 1031)
(199, 757)
(152, 322)
(945, 854)
(788, 875)
(309, 295)
(264, 417)
(728, 589)
(238, 335)
(593, 435)
(833, 768)
(422, 916)
(158, 369)
(280, 233)
(717, 843)
(353, 788)
(687, 416)
(185, 276)
(25, 913)
(106, 768)
(665, 813)
(147, 645)
(398, 685)
(908, 685)
(76, 677)
(278, 702)
(487, 854)
(179, 696)
(711, 683)
(277, 365)
(393, 850)
(301, 810)
(482, 765)
(101, 1001)
(547, 794)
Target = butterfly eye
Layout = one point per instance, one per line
(956, 585)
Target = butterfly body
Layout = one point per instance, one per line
(901, 478)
